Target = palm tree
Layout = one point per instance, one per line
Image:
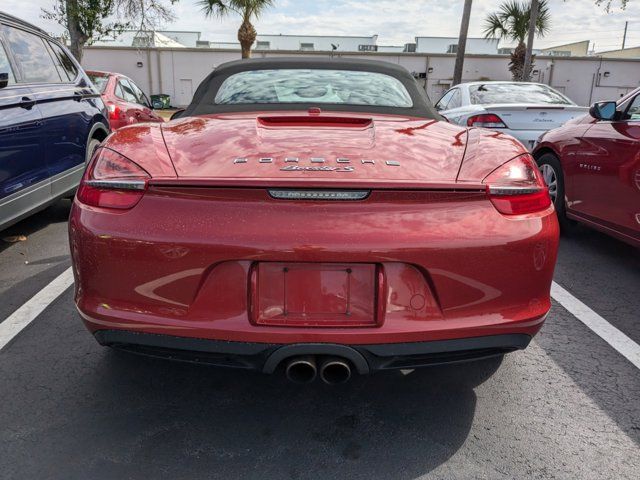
(247, 9)
(511, 22)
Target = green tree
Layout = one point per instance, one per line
(247, 9)
(511, 22)
(88, 20)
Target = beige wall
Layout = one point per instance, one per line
(178, 72)
(576, 49)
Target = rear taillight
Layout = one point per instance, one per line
(517, 187)
(114, 111)
(486, 120)
(112, 181)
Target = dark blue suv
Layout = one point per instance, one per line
(51, 120)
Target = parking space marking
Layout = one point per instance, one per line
(23, 316)
(610, 334)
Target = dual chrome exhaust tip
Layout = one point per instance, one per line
(305, 369)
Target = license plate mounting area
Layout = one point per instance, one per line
(315, 294)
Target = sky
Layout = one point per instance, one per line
(395, 21)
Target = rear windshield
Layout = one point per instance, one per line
(317, 86)
(99, 81)
(515, 93)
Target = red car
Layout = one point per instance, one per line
(126, 102)
(314, 215)
(592, 168)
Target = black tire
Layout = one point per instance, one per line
(551, 170)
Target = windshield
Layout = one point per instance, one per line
(515, 93)
(319, 86)
(99, 81)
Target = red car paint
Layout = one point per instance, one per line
(601, 166)
(198, 254)
(123, 111)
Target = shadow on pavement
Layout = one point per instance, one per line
(158, 419)
(56, 213)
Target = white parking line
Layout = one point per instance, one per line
(23, 316)
(610, 334)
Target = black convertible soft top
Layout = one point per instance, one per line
(203, 100)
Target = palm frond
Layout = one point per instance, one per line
(214, 8)
(511, 21)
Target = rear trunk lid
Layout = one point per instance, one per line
(535, 116)
(323, 149)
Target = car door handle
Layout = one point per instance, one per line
(27, 103)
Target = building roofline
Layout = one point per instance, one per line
(341, 53)
(179, 31)
(314, 36)
(617, 50)
(468, 38)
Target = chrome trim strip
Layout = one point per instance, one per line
(343, 160)
(372, 162)
(240, 160)
(294, 194)
(392, 163)
(118, 184)
(266, 160)
(317, 160)
(291, 160)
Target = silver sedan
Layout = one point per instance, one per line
(521, 109)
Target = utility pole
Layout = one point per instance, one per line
(624, 37)
(533, 19)
(462, 43)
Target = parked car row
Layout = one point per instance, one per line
(589, 158)
(52, 118)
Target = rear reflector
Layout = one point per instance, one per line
(319, 194)
(517, 188)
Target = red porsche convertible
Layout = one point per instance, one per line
(592, 167)
(315, 216)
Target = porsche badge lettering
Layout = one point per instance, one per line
(302, 168)
(341, 167)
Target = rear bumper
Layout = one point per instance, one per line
(266, 357)
(528, 138)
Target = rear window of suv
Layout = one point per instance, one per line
(486, 93)
(317, 86)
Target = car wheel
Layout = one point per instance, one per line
(551, 171)
(91, 148)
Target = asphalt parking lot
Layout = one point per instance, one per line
(567, 407)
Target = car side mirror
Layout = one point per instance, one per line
(603, 110)
(4, 79)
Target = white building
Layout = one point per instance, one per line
(140, 39)
(316, 43)
(475, 46)
(188, 39)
